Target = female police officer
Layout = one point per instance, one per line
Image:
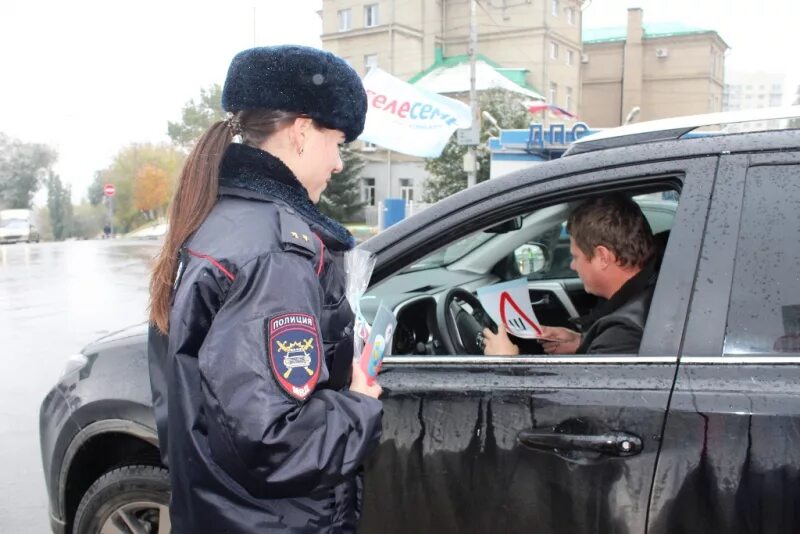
(251, 337)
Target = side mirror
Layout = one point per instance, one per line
(530, 258)
(505, 226)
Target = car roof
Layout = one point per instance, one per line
(675, 128)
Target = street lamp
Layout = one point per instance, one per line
(632, 114)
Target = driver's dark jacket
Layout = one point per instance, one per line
(616, 325)
(244, 454)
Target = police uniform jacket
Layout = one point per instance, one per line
(254, 419)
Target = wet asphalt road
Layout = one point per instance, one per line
(54, 299)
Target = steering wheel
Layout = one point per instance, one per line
(461, 331)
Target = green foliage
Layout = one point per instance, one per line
(23, 170)
(197, 117)
(342, 198)
(447, 171)
(795, 123)
(95, 191)
(42, 221)
(59, 206)
(87, 220)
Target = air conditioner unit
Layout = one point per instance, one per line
(662, 52)
(584, 58)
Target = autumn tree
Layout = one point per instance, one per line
(123, 173)
(151, 191)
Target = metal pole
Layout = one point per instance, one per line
(391, 71)
(388, 173)
(472, 175)
(110, 214)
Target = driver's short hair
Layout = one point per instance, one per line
(617, 223)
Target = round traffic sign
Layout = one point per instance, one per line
(109, 190)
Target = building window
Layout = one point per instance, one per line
(570, 16)
(407, 189)
(554, 7)
(345, 20)
(370, 61)
(368, 147)
(368, 191)
(569, 57)
(370, 15)
(553, 50)
(568, 98)
(553, 93)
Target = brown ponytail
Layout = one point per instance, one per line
(194, 197)
(196, 194)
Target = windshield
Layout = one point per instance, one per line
(449, 254)
(14, 224)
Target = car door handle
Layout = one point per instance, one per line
(610, 443)
(544, 301)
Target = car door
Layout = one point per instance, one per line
(730, 460)
(547, 444)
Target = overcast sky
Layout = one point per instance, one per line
(89, 77)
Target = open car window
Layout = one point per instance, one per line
(550, 258)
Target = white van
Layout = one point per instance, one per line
(17, 226)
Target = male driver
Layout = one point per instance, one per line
(613, 252)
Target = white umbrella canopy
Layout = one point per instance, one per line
(455, 79)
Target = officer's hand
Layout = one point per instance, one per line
(498, 344)
(558, 340)
(360, 383)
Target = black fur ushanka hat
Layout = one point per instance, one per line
(299, 79)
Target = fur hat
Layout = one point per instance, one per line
(300, 79)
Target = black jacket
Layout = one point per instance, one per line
(253, 421)
(615, 326)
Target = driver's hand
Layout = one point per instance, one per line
(559, 340)
(498, 344)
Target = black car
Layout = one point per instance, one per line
(698, 432)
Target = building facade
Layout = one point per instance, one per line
(602, 75)
(408, 37)
(753, 90)
(664, 70)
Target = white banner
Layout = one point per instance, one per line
(408, 119)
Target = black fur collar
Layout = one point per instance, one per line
(245, 167)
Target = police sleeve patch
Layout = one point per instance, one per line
(293, 351)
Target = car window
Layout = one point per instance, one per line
(764, 311)
(658, 208)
